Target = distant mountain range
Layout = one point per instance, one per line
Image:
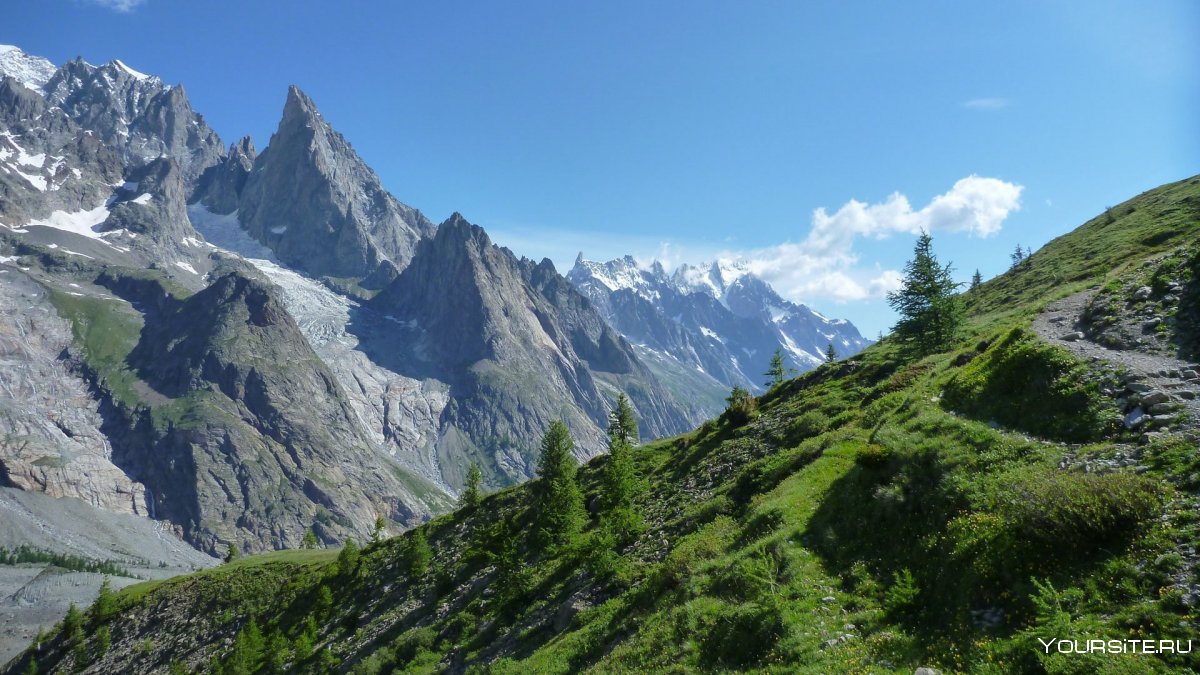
(719, 318)
(259, 343)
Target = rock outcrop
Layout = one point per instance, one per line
(320, 208)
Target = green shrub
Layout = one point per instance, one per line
(1024, 383)
(901, 598)
(743, 635)
(1073, 514)
(741, 407)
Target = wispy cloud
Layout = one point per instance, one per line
(123, 6)
(825, 265)
(986, 103)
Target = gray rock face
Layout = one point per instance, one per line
(153, 205)
(718, 319)
(50, 426)
(135, 113)
(519, 348)
(221, 186)
(249, 437)
(313, 201)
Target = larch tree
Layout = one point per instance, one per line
(929, 307)
(558, 501)
(621, 482)
(471, 494)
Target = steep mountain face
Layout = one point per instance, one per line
(266, 440)
(221, 186)
(313, 201)
(519, 348)
(135, 113)
(718, 319)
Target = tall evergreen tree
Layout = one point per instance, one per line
(930, 311)
(622, 423)
(348, 558)
(1016, 256)
(106, 602)
(976, 279)
(830, 354)
(232, 553)
(621, 481)
(419, 553)
(558, 502)
(471, 495)
(778, 369)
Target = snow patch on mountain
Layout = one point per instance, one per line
(32, 71)
(226, 232)
(130, 71)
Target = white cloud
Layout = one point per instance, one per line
(986, 103)
(822, 266)
(825, 265)
(123, 6)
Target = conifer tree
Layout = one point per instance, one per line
(348, 558)
(277, 653)
(232, 553)
(419, 553)
(377, 533)
(558, 502)
(930, 311)
(621, 481)
(471, 495)
(622, 423)
(976, 279)
(103, 640)
(106, 602)
(830, 354)
(1016, 256)
(310, 539)
(73, 621)
(778, 369)
(741, 406)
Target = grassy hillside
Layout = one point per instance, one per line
(875, 515)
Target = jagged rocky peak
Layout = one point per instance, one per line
(32, 71)
(520, 347)
(18, 103)
(135, 112)
(153, 203)
(221, 186)
(312, 200)
(717, 318)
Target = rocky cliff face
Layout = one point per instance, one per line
(313, 201)
(519, 348)
(221, 186)
(718, 319)
(136, 114)
(248, 437)
(50, 424)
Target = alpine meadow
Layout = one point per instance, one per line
(259, 415)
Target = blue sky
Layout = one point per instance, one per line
(688, 130)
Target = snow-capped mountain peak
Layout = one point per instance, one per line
(136, 75)
(713, 278)
(717, 318)
(615, 275)
(32, 71)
